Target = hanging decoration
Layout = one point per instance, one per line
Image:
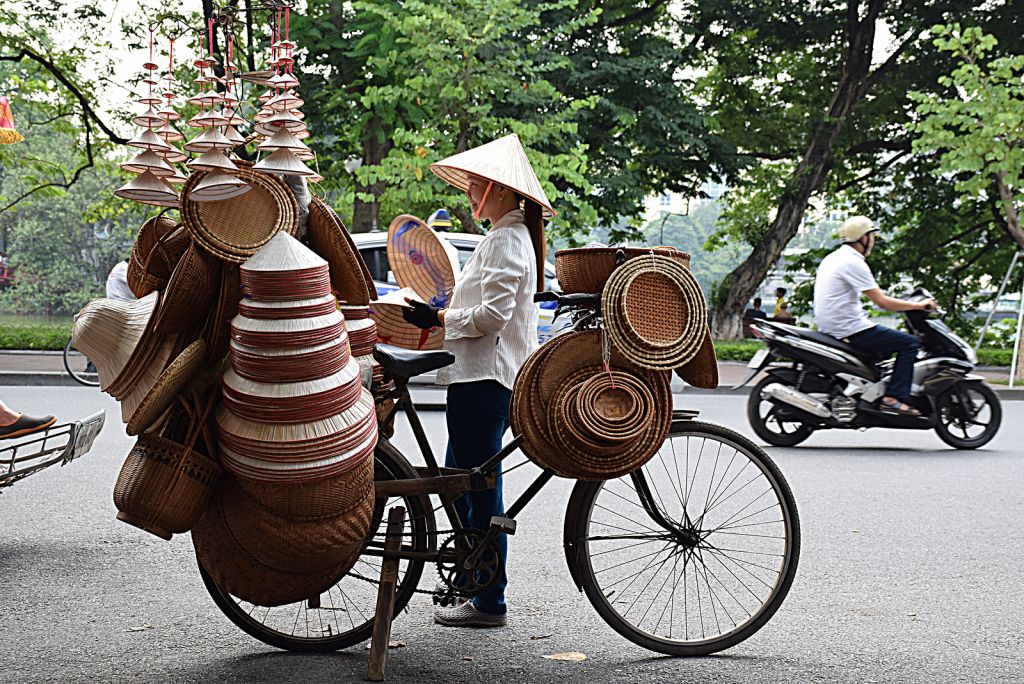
(8, 134)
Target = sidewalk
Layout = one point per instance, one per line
(47, 368)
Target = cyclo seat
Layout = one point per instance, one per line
(403, 364)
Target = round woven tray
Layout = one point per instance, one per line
(170, 382)
(587, 269)
(547, 372)
(350, 276)
(654, 312)
(236, 570)
(234, 229)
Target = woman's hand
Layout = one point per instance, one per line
(421, 315)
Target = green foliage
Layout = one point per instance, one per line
(976, 124)
(737, 350)
(44, 337)
(691, 233)
(990, 356)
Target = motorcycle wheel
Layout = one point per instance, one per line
(968, 427)
(767, 422)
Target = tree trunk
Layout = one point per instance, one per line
(466, 219)
(1013, 226)
(366, 214)
(741, 283)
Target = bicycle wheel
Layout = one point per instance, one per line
(345, 614)
(79, 367)
(694, 552)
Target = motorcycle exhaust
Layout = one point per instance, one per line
(796, 398)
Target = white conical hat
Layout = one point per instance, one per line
(213, 160)
(218, 186)
(148, 140)
(285, 163)
(209, 139)
(503, 161)
(283, 253)
(148, 189)
(285, 140)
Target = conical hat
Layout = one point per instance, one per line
(421, 260)
(283, 253)
(218, 186)
(503, 161)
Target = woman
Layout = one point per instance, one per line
(491, 328)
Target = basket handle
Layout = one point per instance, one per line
(161, 248)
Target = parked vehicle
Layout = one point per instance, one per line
(817, 382)
(373, 248)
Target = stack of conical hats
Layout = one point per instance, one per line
(297, 431)
(219, 124)
(154, 159)
(281, 120)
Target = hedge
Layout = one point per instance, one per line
(53, 336)
(43, 336)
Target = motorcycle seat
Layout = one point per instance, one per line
(829, 341)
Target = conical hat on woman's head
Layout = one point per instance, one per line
(503, 161)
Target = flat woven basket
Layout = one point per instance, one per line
(654, 312)
(157, 249)
(234, 229)
(190, 293)
(587, 269)
(237, 571)
(329, 496)
(350, 277)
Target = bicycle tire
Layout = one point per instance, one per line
(584, 499)
(389, 463)
(87, 379)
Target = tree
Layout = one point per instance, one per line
(976, 126)
(803, 88)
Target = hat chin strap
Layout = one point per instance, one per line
(480, 206)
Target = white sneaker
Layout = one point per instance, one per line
(466, 615)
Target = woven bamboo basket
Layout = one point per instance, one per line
(587, 269)
(330, 496)
(190, 293)
(164, 486)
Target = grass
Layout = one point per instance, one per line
(41, 336)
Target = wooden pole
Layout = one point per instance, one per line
(386, 596)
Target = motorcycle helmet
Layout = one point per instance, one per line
(856, 227)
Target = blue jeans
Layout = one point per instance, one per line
(477, 416)
(884, 341)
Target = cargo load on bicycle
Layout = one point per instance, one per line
(262, 377)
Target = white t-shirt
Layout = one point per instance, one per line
(842, 276)
(117, 283)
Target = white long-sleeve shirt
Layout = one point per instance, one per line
(491, 322)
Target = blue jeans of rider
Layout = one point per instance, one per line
(884, 341)
(477, 416)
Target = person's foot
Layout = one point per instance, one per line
(466, 615)
(25, 425)
(897, 407)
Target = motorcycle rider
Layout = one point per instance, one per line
(841, 278)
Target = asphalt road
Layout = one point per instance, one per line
(910, 572)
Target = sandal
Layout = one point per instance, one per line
(897, 407)
(25, 425)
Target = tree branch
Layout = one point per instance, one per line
(65, 183)
(889, 64)
(88, 111)
(636, 16)
(871, 174)
(962, 234)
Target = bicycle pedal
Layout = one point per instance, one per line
(506, 525)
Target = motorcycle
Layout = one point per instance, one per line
(818, 382)
(57, 444)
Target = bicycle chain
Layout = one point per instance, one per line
(417, 590)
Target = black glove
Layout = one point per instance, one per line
(421, 315)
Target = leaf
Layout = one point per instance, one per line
(569, 657)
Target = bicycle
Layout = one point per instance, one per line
(722, 538)
(79, 367)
